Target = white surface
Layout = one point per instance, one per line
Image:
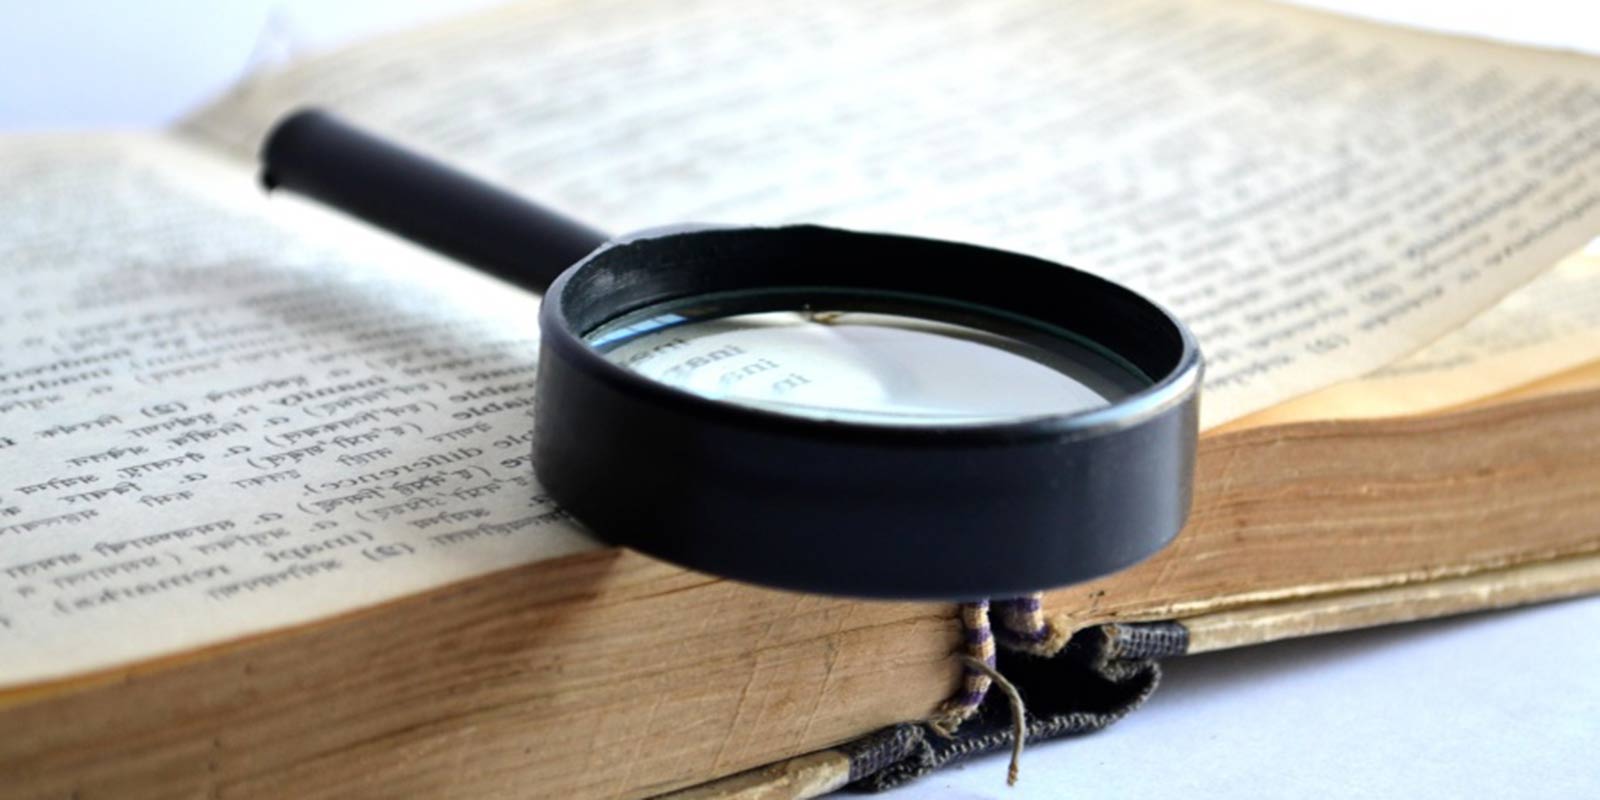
(1496, 705)
(97, 64)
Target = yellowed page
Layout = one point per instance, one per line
(1547, 327)
(214, 422)
(1316, 196)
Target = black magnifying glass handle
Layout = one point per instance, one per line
(317, 155)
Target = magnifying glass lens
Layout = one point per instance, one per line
(867, 359)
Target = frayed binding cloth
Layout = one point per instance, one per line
(1070, 685)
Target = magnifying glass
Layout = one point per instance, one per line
(811, 408)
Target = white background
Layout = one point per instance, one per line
(1493, 705)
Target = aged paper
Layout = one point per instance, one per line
(212, 425)
(1547, 327)
(1316, 196)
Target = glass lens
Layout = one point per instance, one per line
(866, 358)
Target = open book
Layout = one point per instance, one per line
(267, 520)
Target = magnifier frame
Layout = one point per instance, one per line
(950, 511)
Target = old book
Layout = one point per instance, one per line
(267, 526)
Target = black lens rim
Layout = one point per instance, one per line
(959, 511)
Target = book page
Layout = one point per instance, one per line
(1549, 326)
(214, 422)
(1316, 196)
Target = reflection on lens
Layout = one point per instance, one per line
(867, 366)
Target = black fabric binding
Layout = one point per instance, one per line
(1101, 675)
